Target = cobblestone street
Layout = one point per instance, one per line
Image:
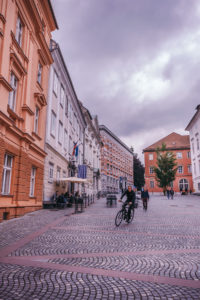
(55, 254)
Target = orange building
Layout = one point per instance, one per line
(180, 146)
(25, 33)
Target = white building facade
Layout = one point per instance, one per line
(65, 126)
(92, 153)
(194, 130)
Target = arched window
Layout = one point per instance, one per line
(183, 185)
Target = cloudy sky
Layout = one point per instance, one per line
(134, 63)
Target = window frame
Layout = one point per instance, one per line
(39, 73)
(60, 133)
(53, 124)
(55, 83)
(13, 94)
(6, 169)
(19, 31)
(32, 181)
(36, 120)
(178, 170)
(50, 172)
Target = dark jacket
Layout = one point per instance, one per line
(130, 196)
(145, 194)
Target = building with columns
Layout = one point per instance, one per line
(179, 145)
(25, 58)
(92, 153)
(116, 163)
(65, 126)
(194, 130)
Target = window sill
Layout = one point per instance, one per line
(32, 197)
(7, 195)
(13, 115)
(36, 136)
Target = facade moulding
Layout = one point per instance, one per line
(2, 18)
(56, 152)
(17, 63)
(26, 108)
(37, 149)
(41, 99)
(5, 83)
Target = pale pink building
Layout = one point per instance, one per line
(25, 58)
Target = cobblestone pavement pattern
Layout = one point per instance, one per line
(54, 254)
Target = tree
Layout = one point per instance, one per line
(138, 172)
(166, 167)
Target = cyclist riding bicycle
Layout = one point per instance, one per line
(130, 199)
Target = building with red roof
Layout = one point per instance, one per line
(180, 146)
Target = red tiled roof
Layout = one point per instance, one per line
(173, 141)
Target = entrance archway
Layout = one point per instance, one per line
(183, 185)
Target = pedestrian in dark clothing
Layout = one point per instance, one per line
(172, 193)
(130, 199)
(145, 197)
(168, 193)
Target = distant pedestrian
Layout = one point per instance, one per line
(172, 193)
(145, 197)
(168, 193)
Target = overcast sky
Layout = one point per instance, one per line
(134, 63)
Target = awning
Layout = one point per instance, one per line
(73, 179)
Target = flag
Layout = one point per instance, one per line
(74, 149)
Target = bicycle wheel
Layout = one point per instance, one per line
(119, 218)
(132, 216)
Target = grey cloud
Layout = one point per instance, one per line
(99, 38)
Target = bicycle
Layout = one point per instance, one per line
(123, 215)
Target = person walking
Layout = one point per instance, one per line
(172, 193)
(145, 197)
(168, 193)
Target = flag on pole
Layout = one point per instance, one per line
(74, 149)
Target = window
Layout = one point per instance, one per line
(151, 170)
(150, 156)
(32, 184)
(179, 155)
(66, 106)
(7, 172)
(51, 166)
(19, 30)
(197, 144)
(189, 168)
(193, 147)
(188, 154)
(36, 119)
(199, 186)
(60, 133)
(53, 123)
(62, 96)
(70, 146)
(13, 93)
(65, 140)
(195, 171)
(58, 176)
(39, 74)
(55, 83)
(152, 184)
(180, 169)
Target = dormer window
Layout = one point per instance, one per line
(19, 31)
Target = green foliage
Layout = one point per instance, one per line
(166, 167)
(138, 172)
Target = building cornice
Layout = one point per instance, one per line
(104, 128)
